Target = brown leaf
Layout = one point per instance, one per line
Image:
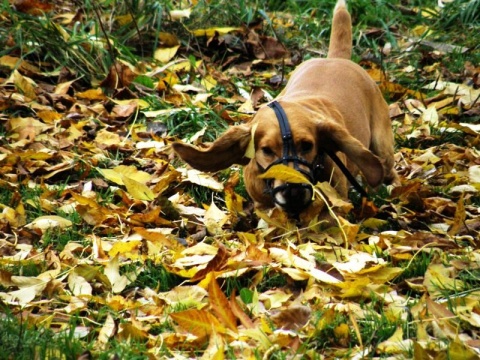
(220, 305)
(266, 47)
(459, 219)
(293, 318)
(216, 264)
(239, 313)
(119, 76)
(33, 7)
(200, 323)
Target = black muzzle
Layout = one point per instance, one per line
(292, 197)
(297, 197)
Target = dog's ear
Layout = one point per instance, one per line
(227, 150)
(337, 138)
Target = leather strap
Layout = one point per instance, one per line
(290, 154)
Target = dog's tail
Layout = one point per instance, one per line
(341, 35)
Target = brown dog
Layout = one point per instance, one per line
(328, 106)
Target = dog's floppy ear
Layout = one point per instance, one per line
(227, 150)
(337, 138)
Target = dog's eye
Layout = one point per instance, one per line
(267, 151)
(306, 147)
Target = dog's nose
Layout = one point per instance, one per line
(294, 198)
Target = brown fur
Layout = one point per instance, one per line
(330, 103)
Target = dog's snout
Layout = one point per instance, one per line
(293, 198)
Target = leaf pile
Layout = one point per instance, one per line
(104, 231)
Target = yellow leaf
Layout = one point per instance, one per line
(212, 31)
(111, 175)
(208, 82)
(459, 218)
(341, 332)
(333, 197)
(49, 222)
(168, 39)
(164, 55)
(474, 174)
(421, 30)
(198, 322)
(106, 332)
(185, 296)
(78, 284)
(9, 61)
(358, 262)
(284, 173)
(138, 190)
(49, 116)
(215, 349)
(202, 179)
(215, 219)
(438, 278)
(63, 88)
(180, 14)
(221, 306)
(112, 272)
(24, 85)
(129, 331)
(123, 20)
(24, 295)
(459, 351)
(106, 138)
(118, 173)
(92, 94)
(374, 223)
(125, 248)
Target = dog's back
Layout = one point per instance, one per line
(341, 33)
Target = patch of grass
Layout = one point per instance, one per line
(26, 268)
(120, 349)
(242, 285)
(238, 284)
(59, 238)
(437, 137)
(154, 276)
(133, 31)
(21, 341)
(6, 195)
(272, 280)
(200, 194)
(376, 326)
(327, 323)
(204, 195)
(415, 267)
(31, 199)
(187, 123)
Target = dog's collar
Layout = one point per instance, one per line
(289, 154)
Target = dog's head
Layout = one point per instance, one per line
(312, 134)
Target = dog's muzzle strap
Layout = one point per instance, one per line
(290, 154)
(285, 130)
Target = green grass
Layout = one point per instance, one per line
(154, 276)
(23, 341)
(188, 123)
(415, 267)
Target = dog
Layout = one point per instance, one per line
(330, 108)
